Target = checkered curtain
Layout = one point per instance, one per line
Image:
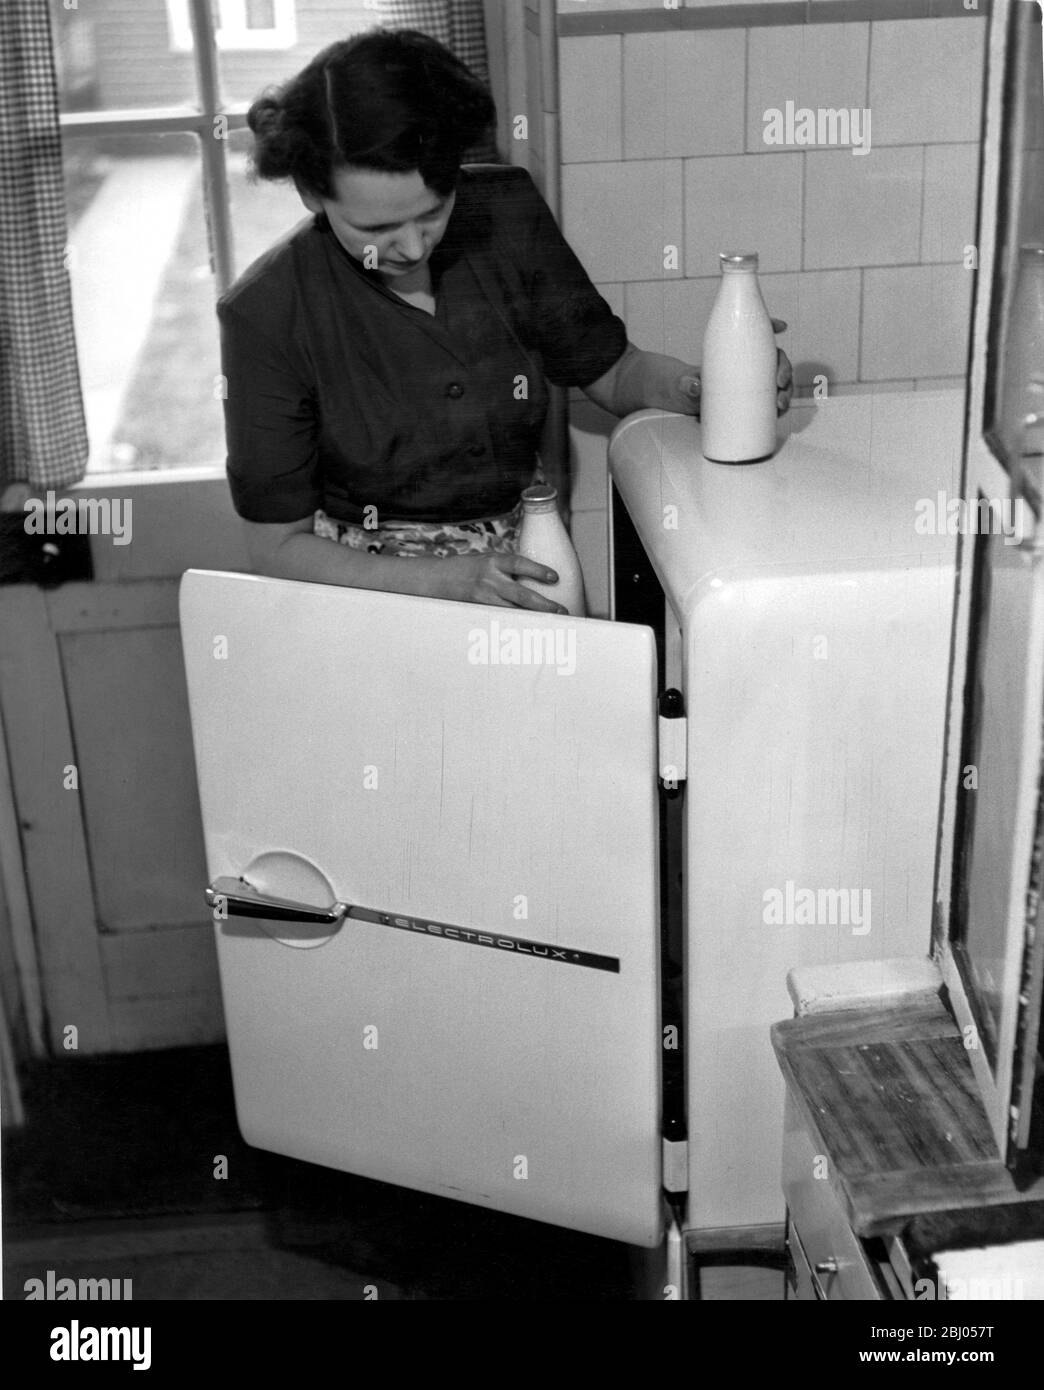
(43, 437)
(461, 26)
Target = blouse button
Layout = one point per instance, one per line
(454, 390)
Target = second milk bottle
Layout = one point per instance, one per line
(544, 538)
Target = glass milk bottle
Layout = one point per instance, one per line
(544, 538)
(738, 373)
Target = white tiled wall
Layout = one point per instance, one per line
(742, 202)
(683, 93)
(926, 80)
(622, 236)
(589, 96)
(863, 211)
(948, 213)
(811, 64)
(864, 255)
(915, 321)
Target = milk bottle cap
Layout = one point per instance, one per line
(738, 260)
(540, 495)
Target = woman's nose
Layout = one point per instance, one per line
(411, 243)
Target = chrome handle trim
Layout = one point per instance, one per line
(237, 898)
(234, 897)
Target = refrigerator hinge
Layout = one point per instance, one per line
(675, 1165)
(676, 1288)
(673, 730)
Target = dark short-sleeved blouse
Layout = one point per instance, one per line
(341, 396)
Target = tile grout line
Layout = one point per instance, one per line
(710, 279)
(770, 153)
(746, 91)
(859, 326)
(813, 13)
(622, 78)
(924, 193)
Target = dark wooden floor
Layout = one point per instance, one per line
(119, 1153)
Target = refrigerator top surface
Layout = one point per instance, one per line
(858, 483)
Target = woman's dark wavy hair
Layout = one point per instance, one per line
(392, 100)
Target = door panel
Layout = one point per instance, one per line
(91, 676)
(142, 865)
(386, 751)
(95, 713)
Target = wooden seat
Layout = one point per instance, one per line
(889, 1097)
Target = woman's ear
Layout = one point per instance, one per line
(311, 202)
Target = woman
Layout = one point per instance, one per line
(387, 362)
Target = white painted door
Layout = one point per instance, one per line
(102, 788)
(478, 786)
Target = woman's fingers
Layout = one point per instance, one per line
(529, 569)
(489, 577)
(520, 595)
(524, 597)
(688, 390)
(784, 380)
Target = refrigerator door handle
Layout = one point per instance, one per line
(234, 897)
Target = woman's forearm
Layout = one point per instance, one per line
(291, 551)
(317, 560)
(647, 380)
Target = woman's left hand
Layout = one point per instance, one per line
(640, 380)
(687, 388)
(784, 373)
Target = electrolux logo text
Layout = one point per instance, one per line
(539, 950)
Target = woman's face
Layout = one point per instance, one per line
(390, 222)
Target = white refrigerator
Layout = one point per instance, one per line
(434, 843)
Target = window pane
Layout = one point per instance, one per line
(245, 72)
(143, 302)
(112, 54)
(1016, 357)
(260, 14)
(261, 212)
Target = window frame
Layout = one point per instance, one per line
(233, 34)
(210, 119)
(1007, 1096)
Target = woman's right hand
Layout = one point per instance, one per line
(289, 550)
(491, 578)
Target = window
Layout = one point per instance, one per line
(241, 24)
(162, 213)
(1015, 381)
